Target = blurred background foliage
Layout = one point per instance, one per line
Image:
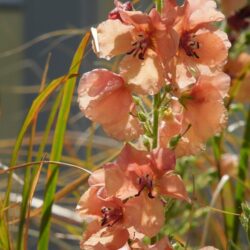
(39, 121)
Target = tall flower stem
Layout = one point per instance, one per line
(158, 5)
(156, 102)
(156, 99)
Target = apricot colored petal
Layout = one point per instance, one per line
(166, 44)
(97, 84)
(97, 178)
(203, 11)
(145, 214)
(116, 182)
(172, 13)
(143, 76)
(213, 49)
(206, 112)
(103, 98)
(156, 20)
(220, 81)
(112, 38)
(172, 185)
(110, 109)
(127, 128)
(191, 144)
(138, 19)
(110, 238)
(163, 159)
(130, 155)
(184, 75)
(92, 228)
(89, 204)
(207, 115)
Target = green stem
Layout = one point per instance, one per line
(155, 119)
(216, 144)
(242, 173)
(158, 5)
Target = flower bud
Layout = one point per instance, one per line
(174, 141)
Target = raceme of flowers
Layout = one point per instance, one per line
(165, 100)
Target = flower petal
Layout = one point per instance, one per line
(220, 81)
(103, 98)
(117, 183)
(111, 238)
(206, 114)
(172, 185)
(89, 204)
(213, 47)
(130, 155)
(145, 214)
(144, 76)
(138, 19)
(112, 38)
(203, 11)
(97, 178)
(163, 159)
(127, 128)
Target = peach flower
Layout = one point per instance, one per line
(137, 173)
(113, 216)
(203, 109)
(104, 98)
(145, 42)
(201, 45)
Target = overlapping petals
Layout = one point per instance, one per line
(144, 41)
(104, 98)
(203, 110)
(153, 173)
(201, 45)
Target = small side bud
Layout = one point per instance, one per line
(142, 117)
(174, 141)
(137, 100)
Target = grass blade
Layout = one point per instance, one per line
(57, 146)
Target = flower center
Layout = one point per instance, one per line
(189, 44)
(145, 182)
(139, 47)
(110, 216)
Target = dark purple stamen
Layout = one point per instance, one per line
(139, 47)
(110, 216)
(189, 44)
(145, 182)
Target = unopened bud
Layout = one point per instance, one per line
(136, 100)
(174, 141)
(142, 117)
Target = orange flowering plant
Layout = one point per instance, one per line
(167, 146)
(172, 56)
